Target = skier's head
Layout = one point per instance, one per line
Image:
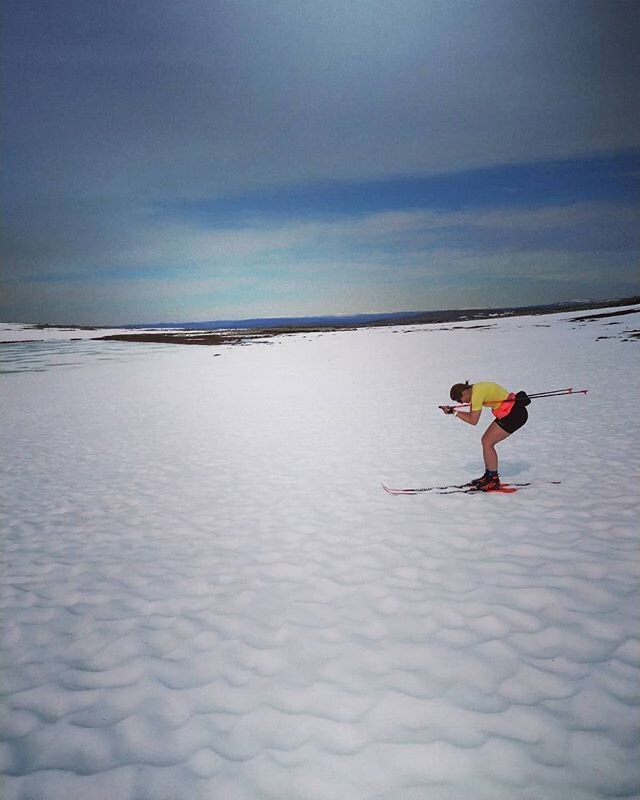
(457, 389)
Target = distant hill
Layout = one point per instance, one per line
(396, 318)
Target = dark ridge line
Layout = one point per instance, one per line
(247, 335)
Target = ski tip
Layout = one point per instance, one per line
(396, 492)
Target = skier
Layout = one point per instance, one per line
(509, 412)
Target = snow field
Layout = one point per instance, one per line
(208, 595)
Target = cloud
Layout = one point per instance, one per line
(184, 271)
(198, 97)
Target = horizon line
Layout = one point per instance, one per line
(371, 316)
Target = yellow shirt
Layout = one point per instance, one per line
(487, 394)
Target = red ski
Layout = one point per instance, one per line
(459, 488)
(455, 488)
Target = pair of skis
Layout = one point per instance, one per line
(460, 488)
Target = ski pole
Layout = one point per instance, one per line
(559, 393)
(552, 393)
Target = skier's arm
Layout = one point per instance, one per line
(471, 417)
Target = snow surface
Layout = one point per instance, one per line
(18, 332)
(207, 594)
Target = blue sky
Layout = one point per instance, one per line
(216, 160)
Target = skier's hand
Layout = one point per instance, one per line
(447, 409)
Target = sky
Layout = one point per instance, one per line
(219, 159)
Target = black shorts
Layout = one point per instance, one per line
(517, 416)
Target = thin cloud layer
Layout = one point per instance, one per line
(388, 261)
